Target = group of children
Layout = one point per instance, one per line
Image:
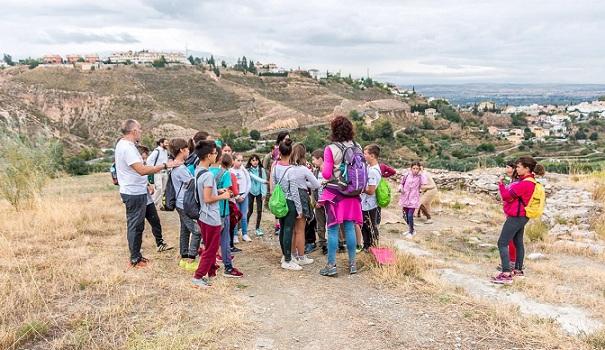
(229, 191)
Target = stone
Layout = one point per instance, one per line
(536, 256)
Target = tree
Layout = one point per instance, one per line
(518, 119)
(191, 59)
(602, 98)
(211, 61)
(594, 136)
(383, 129)
(580, 135)
(486, 147)
(244, 63)
(251, 67)
(8, 59)
(255, 134)
(223, 64)
(355, 116)
(160, 63)
(81, 59)
(426, 124)
(198, 61)
(217, 72)
(30, 62)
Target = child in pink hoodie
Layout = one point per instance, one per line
(412, 183)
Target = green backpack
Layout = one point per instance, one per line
(277, 204)
(383, 193)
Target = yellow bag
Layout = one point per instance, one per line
(535, 208)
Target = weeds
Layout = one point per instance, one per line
(406, 267)
(536, 230)
(598, 192)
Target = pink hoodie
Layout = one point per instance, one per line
(510, 196)
(410, 189)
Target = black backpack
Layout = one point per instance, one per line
(169, 198)
(191, 200)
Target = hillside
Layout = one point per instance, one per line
(85, 108)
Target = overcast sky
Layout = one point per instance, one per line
(407, 41)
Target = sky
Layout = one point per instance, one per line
(404, 42)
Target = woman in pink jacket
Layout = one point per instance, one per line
(515, 197)
(340, 209)
(412, 183)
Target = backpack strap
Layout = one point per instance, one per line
(156, 157)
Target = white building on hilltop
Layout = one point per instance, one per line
(148, 57)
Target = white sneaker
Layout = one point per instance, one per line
(304, 260)
(409, 235)
(246, 238)
(291, 265)
(428, 222)
(235, 239)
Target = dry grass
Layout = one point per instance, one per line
(405, 269)
(597, 340)
(536, 230)
(65, 282)
(598, 192)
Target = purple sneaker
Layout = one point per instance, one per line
(518, 274)
(502, 278)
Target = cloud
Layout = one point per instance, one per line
(82, 37)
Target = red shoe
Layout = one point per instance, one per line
(233, 273)
(142, 263)
(502, 279)
(518, 274)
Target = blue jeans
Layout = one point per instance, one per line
(349, 228)
(408, 216)
(243, 223)
(226, 244)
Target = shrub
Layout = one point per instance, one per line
(486, 147)
(536, 230)
(255, 134)
(240, 145)
(77, 166)
(25, 169)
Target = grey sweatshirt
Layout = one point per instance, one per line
(297, 177)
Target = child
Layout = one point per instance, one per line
(223, 183)
(258, 190)
(317, 158)
(190, 237)
(210, 221)
(226, 162)
(151, 213)
(369, 205)
(412, 183)
(510, 176)
(243, 182)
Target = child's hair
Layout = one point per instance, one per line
(226, 160)
(143, 149)
(373, 149)
(252, 157)
(203, 148)
(281, 136)
(415, 163)
(237, 154)
(199, 136)
(285, 147)
(532, 164)
(176, 145)
(299, 154)
(318, 153)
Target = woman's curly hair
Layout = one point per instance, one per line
(342, 129)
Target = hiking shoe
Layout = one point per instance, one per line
(164, 247)
(428, 222)
(352, 269)
(142, 263)
(290, 265)
(309, 247)
(328, 270)
(235, 250)
(259, 232)
(246, 238)
(233, 273)
(200, 282)
(303, 260)
(502, 279)
(518, 274)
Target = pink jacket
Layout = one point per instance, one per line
(510, 196)
(410, 189)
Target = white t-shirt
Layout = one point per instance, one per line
(160, 154)
(369, 202)
(126, 154)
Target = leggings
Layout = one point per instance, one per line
(286, 230)
(513, 229)
(408, 215)
(259, 208)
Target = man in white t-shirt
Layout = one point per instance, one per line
(132, 178)
(369, 205)
(158, 156)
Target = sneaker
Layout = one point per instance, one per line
(235, 250)
(142, 263)
(341, 248)
(246, 238)
(290, 265)
(277, 228)
(518, 274)
(233, 273)
(328, 270)
(304, 260)
(235, 239)
(200, 283)
(409, 235)
(309, 247)
(259, 232)
(164, 247)
(324, 250)
(358, 248)
(352, 269)
(502, 279)
(428, 222)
